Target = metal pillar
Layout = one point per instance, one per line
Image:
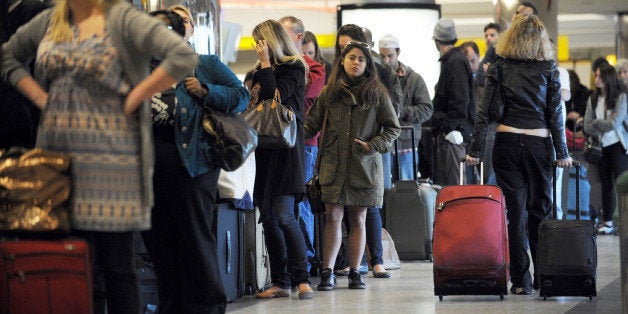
(622, 35)
(622, 193)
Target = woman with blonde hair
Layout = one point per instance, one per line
(280, 173)
(523, 151)
(361, 124)
(91, 80)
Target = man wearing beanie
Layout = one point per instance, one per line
(416, 107)
(454, 104)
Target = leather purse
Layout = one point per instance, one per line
(313, 186)
(35, 187)
(592, 150)
(275, 123)
(231, 139)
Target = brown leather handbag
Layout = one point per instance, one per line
(34, 190)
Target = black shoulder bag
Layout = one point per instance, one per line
(313, 186)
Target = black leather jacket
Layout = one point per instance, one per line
(531, 92)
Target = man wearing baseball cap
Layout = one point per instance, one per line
(416, 107)
(454, 104)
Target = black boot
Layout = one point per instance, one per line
(328, 280)
(355, 280)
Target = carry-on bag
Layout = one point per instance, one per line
(45, 276)
(257, 263)
(229, 228)
(567, 255)
(410, 211)
(470, 240)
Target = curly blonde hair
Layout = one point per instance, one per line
(526, 39)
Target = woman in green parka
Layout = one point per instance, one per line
(361, 124)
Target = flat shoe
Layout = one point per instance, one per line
(273, 292)
(381, 274)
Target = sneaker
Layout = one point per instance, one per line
(605, 229)
(328, 280)
(273, 292)
(519, 290)
(305, 291)
(355, 280)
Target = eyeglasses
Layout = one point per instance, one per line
(358, 43)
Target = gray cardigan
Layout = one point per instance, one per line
(137, 37)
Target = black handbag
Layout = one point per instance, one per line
(592, 150)
(313, 186)
(35, 186)
(275, 123)
(496, 108)
(231, 139)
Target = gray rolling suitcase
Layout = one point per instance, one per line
(410, 213)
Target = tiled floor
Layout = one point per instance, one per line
(411, 290)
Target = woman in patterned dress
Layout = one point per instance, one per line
(91, 79)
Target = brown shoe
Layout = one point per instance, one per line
(305, 291)
(273, 292)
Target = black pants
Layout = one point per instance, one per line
(115, 282)
(523, 167)
(181, 242)
(613, 163)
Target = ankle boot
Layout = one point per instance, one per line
(328, 280)
(355, 280)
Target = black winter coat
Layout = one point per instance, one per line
(282, 170)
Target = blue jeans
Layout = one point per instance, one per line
(306, 217)
(405, 162)
(373, 226)
(387, 166)
(285, 243)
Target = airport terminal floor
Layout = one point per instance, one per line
(411, 290)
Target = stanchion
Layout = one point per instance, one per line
(622, 191)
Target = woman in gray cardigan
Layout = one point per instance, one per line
(91, 81)
(606, 120)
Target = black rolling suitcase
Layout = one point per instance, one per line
(410, 213)
(229, 228)
(567, 255)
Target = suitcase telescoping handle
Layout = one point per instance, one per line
(414, 150)
(462, 167)
(576, 164)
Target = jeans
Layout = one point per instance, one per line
(523, 167)
(181, 242)
(306, 217)
(115, 282)
(285, 243)
(613, 163)
(387, 167)
(373, 226)
(405, 162)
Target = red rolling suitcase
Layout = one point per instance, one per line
(567, 258)
(470, 242)
(47, 276)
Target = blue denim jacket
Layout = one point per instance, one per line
(226, 93)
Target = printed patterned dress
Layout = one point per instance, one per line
(84, 116)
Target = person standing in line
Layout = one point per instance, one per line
(311, 49)
(92, 62)
(622, 71)
(606, 119)
(490, 56)
(361, 124)
(315, 80)
(454, 105)
(181, 243)
(416, 107)
(280, 177)
(388, 77)
(523, 153)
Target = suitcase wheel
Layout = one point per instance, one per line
(501, 296)
(440, 297)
